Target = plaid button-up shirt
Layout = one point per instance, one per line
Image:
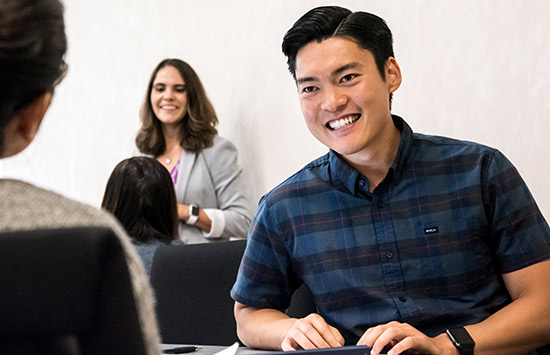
(427, 247)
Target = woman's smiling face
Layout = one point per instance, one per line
(169, 96)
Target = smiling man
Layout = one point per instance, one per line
(408, 242)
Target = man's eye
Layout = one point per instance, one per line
(308, 89)
(348, 77)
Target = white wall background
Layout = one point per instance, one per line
(476, 70)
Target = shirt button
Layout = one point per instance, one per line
(389, 254)
(380, 204)
(362, 182)
(402, 299)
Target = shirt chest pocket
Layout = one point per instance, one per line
(453, 257)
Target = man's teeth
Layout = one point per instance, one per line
(343, 122)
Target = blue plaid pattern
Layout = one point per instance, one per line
(427, 247)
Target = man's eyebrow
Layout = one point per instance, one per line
(306, 79)
(334, 73)
(345, 67)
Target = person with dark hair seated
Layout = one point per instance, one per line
(32, 50)
(140, 194)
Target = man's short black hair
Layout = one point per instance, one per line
(369, 31)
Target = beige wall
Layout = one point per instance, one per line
(475, 70)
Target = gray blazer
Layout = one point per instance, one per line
(213, 180)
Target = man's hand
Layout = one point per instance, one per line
(311, 332)
(400, 338)
(268, 328)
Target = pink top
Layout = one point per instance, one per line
(174, 172)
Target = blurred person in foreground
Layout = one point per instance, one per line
(32, 50)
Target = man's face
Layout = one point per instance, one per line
(343, 97)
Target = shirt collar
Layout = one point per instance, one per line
(342, 172)
(404, 153)
(348, 175)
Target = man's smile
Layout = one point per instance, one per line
(342, 122)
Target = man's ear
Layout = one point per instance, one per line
(393, 74)
(22, 129)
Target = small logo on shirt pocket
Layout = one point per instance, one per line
(431, 230)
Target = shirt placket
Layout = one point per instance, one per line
(389, 255)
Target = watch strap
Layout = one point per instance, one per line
(193, 214)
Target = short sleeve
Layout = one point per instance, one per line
(519, 234)
(263, 280)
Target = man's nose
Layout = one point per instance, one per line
(333, 99)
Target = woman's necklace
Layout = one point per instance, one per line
(168, 159)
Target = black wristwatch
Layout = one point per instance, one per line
(462, 340)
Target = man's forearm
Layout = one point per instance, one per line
(515, 329)
(261, 328)
(525, 323)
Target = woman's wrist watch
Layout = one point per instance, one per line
(462, 340)
(193, 214)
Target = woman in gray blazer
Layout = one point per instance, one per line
(179, 130)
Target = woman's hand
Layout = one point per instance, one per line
(183, 212)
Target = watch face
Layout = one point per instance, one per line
(194, 210)
(461, 338)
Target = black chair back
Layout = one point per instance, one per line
(66, 291)
(192, 284)
(302, 303)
